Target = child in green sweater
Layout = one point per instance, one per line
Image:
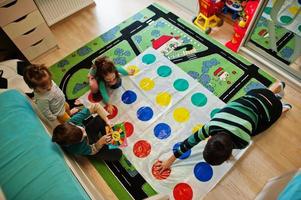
(103, 75)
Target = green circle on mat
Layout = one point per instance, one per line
(214, 111)
(181, 85)
(299, 28)
(267, 10)
(286, 19)
(199, 99)
(148, 59)
(164, 71)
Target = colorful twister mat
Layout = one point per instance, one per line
(164, 106)
(184, 48)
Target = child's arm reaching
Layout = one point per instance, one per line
(97, 108)
(105, 96)
(124, 72)
(187, 144)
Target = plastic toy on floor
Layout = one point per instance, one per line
(207, 18)
(234, 6)
(118, 135)
(240, 27)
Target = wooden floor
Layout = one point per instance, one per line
(273, 153)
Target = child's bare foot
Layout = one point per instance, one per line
(73, 111)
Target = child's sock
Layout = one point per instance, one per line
(286, 107)
(281, 93)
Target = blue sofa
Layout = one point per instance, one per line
(31, 166)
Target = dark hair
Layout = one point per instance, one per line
(218, 148)
(104, 66)
(66, 134)
(33, 74)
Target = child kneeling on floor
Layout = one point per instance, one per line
(88, 139)
(234, 125)
(48, 97)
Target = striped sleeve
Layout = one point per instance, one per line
(191, 141)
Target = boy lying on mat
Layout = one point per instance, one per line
(234, 125)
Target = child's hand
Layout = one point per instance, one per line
(110, 108)
(109, 123)
(74, 111)
(106, 139)
(131, 72)
(164, 165)
(78, 102)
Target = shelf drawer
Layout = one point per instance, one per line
(30, 21)
(40, 47)
(36, 34)
(14, 10)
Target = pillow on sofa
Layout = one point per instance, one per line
(31, 166)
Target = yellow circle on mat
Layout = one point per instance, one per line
(196, 128)
(181, 114)
(133, 67)
(147, 84)
(163, 98)
(293, 10)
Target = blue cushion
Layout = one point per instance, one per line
(293, 189)
(31, 166)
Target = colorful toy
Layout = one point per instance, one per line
(234, 6)
(118, 135)
(240, 27)
(207, 18)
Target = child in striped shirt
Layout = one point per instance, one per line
(234, 125)
(48, 97)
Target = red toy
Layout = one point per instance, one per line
(207, 17)
(241, 27)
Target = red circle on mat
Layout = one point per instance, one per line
(182, 191)
(129, 129)
(156, 172)
(115, 112)
(142, 149)
(90, 98)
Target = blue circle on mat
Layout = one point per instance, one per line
(184, 155)
(203, 171)
(128, 97)
(164, 71)
(145, 113)
(148, 59)
(162, 131)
